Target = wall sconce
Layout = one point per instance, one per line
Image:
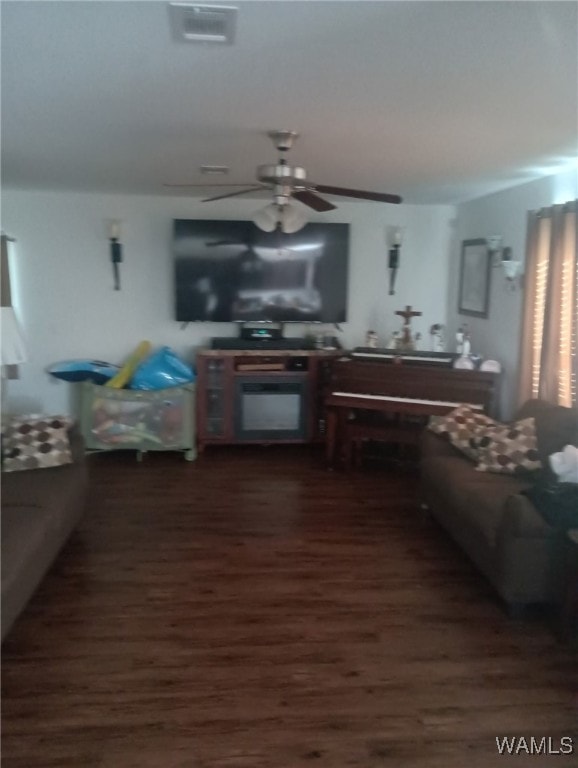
(511, 266)
(502, 257)
(394, 240)
(115, 251)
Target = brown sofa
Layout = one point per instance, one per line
(40, 509)
(488, 515)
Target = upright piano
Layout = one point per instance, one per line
(406, 389)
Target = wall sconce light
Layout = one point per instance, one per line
(115, 251)
(511, 266)
(502, 257)
(394, 240)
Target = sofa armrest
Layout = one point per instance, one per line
(521, 519)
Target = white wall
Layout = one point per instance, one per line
(64, 293)
(503, 213)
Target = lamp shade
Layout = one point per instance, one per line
(13, 351)
(511, 268)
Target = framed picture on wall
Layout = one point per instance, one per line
(475, 271)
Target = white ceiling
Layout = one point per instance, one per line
(439, 102)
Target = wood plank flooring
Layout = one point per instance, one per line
(252, 610)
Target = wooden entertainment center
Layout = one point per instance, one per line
(261, 396)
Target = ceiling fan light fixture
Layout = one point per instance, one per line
(267, 218)
(289, 218)
(292, 219)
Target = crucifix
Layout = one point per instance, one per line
(407, 314)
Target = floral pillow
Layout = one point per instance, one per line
(35, 442)
(509, 448)
(462, 427)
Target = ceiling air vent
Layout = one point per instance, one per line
(214, 170)
(194, 23)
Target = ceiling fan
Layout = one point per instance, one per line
(286, 182)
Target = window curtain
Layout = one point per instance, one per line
(549, 355)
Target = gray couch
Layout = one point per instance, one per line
(492, 520)
(40, 509)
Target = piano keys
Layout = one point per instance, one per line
(393, 355)
(407, 404)
(359, 386)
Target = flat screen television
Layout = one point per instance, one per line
(232, 271)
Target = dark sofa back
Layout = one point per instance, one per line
(556, 426)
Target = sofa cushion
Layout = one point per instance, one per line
(461, 427)
(509, 448)
(470, 503)
(35, 442)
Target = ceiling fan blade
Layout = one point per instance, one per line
(233, 194)
(313, 201)
(377, 197)
(207, 184)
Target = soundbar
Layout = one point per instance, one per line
(234, 342)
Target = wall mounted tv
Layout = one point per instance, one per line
(232, 271)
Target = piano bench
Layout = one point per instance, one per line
(355, 433)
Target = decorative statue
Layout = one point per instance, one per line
(463, 341)
(460, 335)
(438, 342)
(371, 339)
(406, 343)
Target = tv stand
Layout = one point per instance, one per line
(261, 396)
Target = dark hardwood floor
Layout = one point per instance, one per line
(252, 610)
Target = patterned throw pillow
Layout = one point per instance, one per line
(462, 427)
(509, 448)
(35, 442)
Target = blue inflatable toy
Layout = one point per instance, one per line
(161, 370)
(96, 371)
